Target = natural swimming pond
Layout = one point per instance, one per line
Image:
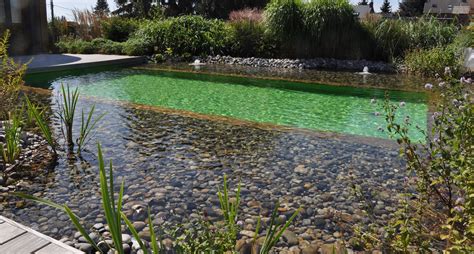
(339, 109)
(174, 162)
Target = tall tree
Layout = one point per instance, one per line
(386, 7)
(412, 8)
(363, 2)
(102, 7)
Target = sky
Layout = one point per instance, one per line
(64, 7)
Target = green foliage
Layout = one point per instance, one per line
(275, 231)
(411, 8)
(87, 125)
(230, 208)
(428, 62)
(386, 7)
(101, 7)
(284, 18)
(108, 47)
(67, 110)
(438, 215)
(118, 28)
(37, 115)
(205, 237)
(10, 151)
(185, 35)
(250, 39)
(11, 77)
(111, 208)
(394, 37)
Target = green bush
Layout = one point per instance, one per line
(108, 47)
(185, 36)
(429, 62)
(119, 28)
(249, 39)
(395, 37)
(320, 28)
(96, 46)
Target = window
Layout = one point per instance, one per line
(434, 6)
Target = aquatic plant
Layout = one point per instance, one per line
(10, 151)
(230, 208)
(67, 110)
(38, 116)
(275, 231)
(111, 208)
(87, 125)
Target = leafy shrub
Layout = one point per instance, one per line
(320, 28)
(330, 28)
(429, 62)
(119, 28)
(11, 77)
(435, 212)
(428, 32)
(108, 47)
(250, 39)
(185, 35)
(395, 37)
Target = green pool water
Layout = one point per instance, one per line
(340, 109)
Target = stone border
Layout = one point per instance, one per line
(316, 63)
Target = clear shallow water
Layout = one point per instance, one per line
(174, 163)
(339, 109)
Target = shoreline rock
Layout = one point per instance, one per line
(316, 63)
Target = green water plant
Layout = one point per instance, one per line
(112, 208)
(87, 125)
(230, 208)
(11, 150)
(35, 113)
(67, 110)
(275, 231)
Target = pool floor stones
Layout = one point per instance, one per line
(175, 164)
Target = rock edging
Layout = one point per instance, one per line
(316, 63)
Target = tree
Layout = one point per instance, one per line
(133, 8)
(363, 2)
(412, 8)
(102, 7)
(386, 7)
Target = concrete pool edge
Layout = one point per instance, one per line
(60, 62)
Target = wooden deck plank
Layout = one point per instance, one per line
(53, 248)
(29, 240)
(8, 232)
(25, 243)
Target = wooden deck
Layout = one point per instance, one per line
(18, 239)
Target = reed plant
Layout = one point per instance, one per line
(112, 208)
(67, 111)
(10, 151)
(274, 231)
(230, 208)
(35, 113)
(87, 125)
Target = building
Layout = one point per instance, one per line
(449, 8)
(27, 21)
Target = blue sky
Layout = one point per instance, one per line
(64, 7)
